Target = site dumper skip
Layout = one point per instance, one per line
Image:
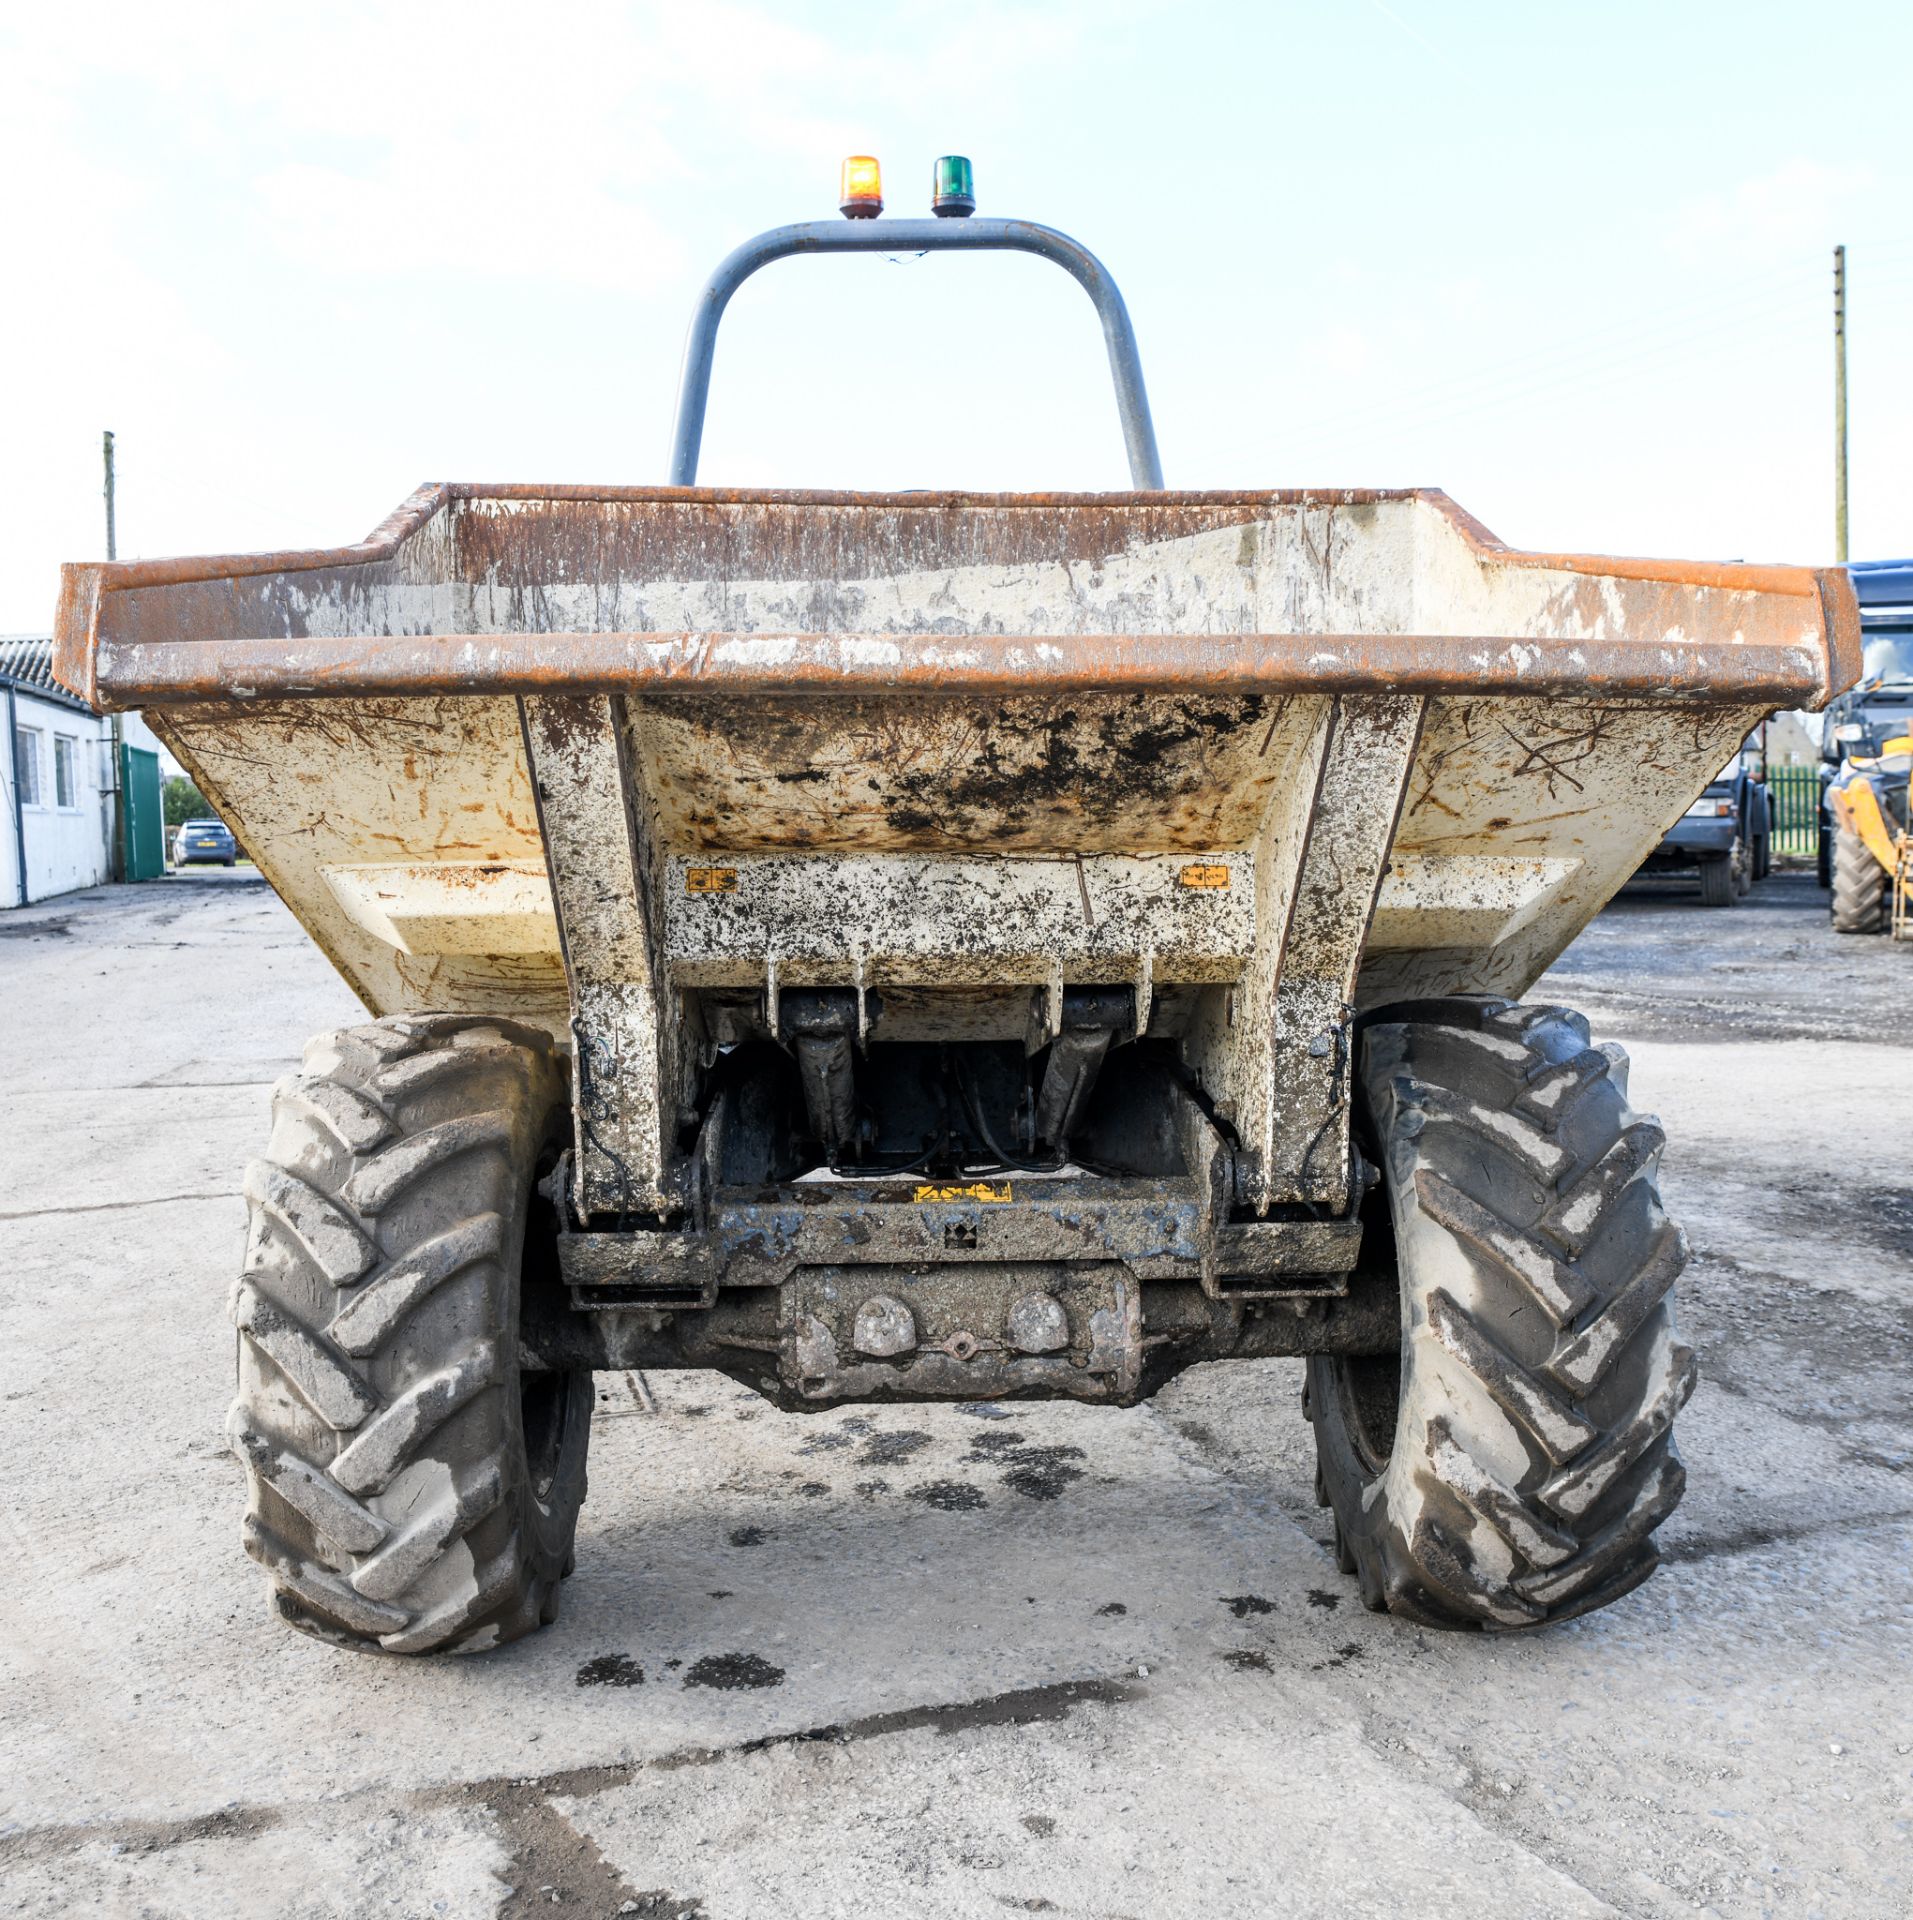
(950, 946)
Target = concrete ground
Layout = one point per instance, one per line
(955, 1662)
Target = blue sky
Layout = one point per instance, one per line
(1570, 264)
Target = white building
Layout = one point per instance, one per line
(57, 779)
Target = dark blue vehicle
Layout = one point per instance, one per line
(204, 840)
(1727, 835)
(1879, 707)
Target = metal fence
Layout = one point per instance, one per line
(1796, 794)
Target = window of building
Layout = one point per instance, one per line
(26, 764)
(66, 770)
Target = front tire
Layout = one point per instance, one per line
(1509, 1465)
(1862, 897)
(411, 1489)
(1719, 879)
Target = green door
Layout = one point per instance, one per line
(144, 815)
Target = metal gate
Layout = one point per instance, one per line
(143, 814)
(1796, 796)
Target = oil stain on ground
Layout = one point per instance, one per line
(1037, 1473)
(1041, 1473)
(611, 1670)
(948, 1496)
(733, 1672)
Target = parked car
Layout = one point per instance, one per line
(204, 840)
(1727, 835)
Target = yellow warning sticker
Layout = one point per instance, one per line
(987, 1194)
(1201, 876)
(710, 879)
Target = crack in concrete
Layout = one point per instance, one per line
(1752, 1539)
(519, 1801)
(1408, 1764)
(554, 1863)
(121, 1206)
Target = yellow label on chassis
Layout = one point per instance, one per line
(1203, 876)
(926, 1196)
(710, 879)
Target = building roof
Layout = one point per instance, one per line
(26, 662)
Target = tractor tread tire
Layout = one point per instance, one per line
(393, 1499)
(1862, 899)
(1529, 1456)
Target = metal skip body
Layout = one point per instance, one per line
(1006, 824)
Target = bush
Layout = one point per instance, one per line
(182, 801)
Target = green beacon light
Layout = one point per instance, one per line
(953, 188)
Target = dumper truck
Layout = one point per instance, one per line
(950, 946)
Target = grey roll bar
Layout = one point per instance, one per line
(974, 235)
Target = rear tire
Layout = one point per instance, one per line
(1862, 896)
(1508, 1466)
(411, 1489)
(1719, 884)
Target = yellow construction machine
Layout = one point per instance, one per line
(1873, 842)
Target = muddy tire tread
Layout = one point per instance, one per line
(1533, 1456)
(377, 1406)
(1862, 900)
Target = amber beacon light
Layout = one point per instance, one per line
(860, 188)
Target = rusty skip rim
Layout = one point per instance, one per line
(169, 673)
(119, 675)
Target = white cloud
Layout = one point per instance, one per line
(1775, 215)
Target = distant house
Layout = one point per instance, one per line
(58, 781)
(1793, 740)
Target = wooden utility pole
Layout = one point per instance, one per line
(117, 862)
(1840, 405)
